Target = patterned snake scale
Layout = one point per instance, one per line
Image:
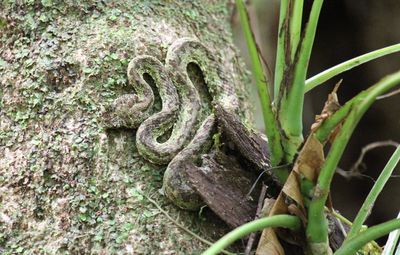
(181, 113)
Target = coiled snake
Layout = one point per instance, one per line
(182, 118)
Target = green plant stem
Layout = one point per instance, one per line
(347, 65)
(339, 217)
(291, 111)
(317, 229)
(284, 221)
(295, 25)
(366, 208)
(372, 233)
(270, 122)
(280, 63)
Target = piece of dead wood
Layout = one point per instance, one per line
(225, 177)
(253, 235)
(249, 144)
(223, 186)
(337, 231)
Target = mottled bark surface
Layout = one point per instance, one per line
(67, 185)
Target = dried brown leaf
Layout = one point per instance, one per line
(310, 159)
(290, 200)
(269, 244)
(330, 107)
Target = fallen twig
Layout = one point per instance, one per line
(253, 235)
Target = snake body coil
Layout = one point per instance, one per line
(188, 128)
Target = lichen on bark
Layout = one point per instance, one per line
(67, 185)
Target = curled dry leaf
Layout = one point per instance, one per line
(290, 200)
(330, 107)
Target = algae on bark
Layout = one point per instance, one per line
(67, 185)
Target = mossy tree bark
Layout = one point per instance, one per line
(68, 185)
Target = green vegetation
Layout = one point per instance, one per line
(283, 125)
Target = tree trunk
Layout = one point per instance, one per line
(68, 185)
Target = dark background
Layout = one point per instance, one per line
(347, 28)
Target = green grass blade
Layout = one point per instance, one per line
(372, 233)
(284, 221)
(349, 64)
(270, 122)
(366, 208)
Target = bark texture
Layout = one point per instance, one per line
(67, 185)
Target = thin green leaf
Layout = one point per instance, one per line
(349, 64)
(283, 221)
(372, 233)
(366, 208)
